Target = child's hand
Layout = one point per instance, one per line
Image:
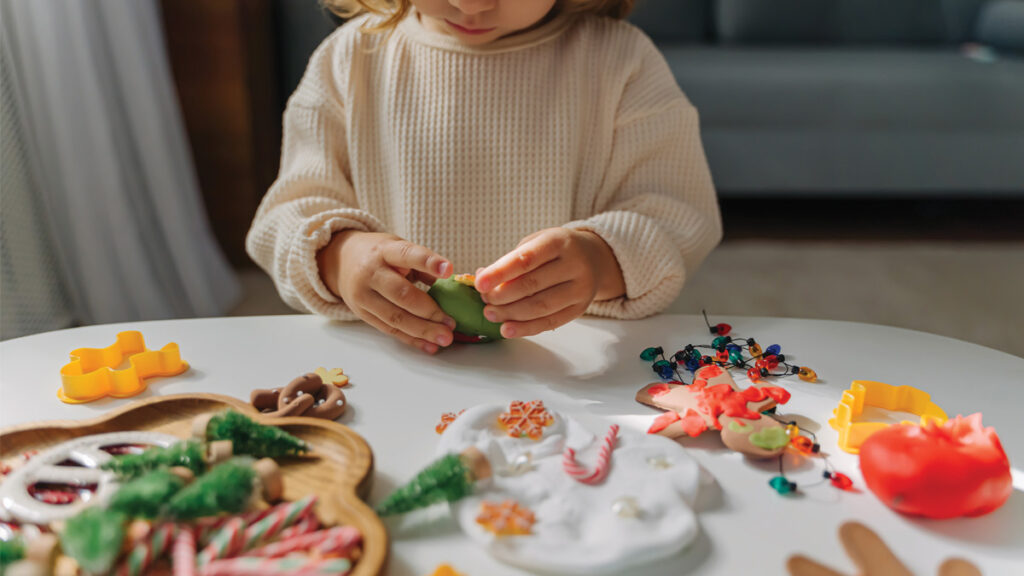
(549, 280)
(374, 273)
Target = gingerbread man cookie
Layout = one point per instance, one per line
(714, 402)
(307, 395)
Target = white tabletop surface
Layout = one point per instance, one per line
(590, 370)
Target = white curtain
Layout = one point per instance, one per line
(106, 140)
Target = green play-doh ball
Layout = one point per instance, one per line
(464, 305)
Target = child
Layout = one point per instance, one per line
(542, 143)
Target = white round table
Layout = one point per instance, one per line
(590, 369)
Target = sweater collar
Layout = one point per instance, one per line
(412, 27)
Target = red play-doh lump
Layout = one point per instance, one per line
(956, 469)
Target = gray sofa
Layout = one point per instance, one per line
(829, 97)
(878, 97)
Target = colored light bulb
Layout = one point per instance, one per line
(803, 445)
(692, 365)
(722, 356)
(773, 349)
(651, 353)
(793, 430)
(782, 485)
(839, 480)
(754, 375)
(807, 375)
(720, 342)
(755, 349)
(736, 358)
(721, 329)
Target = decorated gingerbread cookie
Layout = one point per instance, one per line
(714, 402)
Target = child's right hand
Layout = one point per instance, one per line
(373, 274)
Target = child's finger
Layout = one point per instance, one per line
(406, 255)
(539, 305)
(403, 294)
(550, 274)
(532, 327)
(423, 345)
(526, 258)
(401, 320)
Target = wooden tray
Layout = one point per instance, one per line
(340, 476)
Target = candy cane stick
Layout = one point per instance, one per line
(309, 523)
(579, 472)
(148, 550)
(253, 566)
(227, 542)
(339, 540)
(184, 554)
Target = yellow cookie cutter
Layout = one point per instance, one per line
(881, 395)
(93, 374)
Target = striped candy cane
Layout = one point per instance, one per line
(582, 474)
(338, 541)
(309, 523)
(227, 542)
(184, 554)
(292, 566)
(148, 550)
(282, 516)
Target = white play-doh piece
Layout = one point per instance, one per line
(640, 513)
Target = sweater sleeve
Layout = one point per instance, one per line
(656, 207)
(312, 197)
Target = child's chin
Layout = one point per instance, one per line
(476, 40)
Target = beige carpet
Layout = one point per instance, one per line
(973, 292)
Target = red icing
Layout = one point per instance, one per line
(693, 423)
(659, 389)
(722, 399)
(662, 422)
(708, 372)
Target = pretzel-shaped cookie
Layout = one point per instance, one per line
(306, 395)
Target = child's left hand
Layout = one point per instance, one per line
(549, 280)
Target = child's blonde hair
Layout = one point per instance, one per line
(395, 10)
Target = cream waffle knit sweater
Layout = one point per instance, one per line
(576, 123)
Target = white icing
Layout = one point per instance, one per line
(579, 529)
(17, 504)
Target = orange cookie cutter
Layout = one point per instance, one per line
(92, 372)
(880, 395)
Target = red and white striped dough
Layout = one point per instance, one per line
(579, 472)
(184, 554)
(337, 541)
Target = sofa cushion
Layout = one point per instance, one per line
(677, 21)
(1001, 24)
(855, 118)
(844, 21)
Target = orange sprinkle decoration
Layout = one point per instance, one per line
(507, 518)
(526, 419)
(466, 279)
(446, 419)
